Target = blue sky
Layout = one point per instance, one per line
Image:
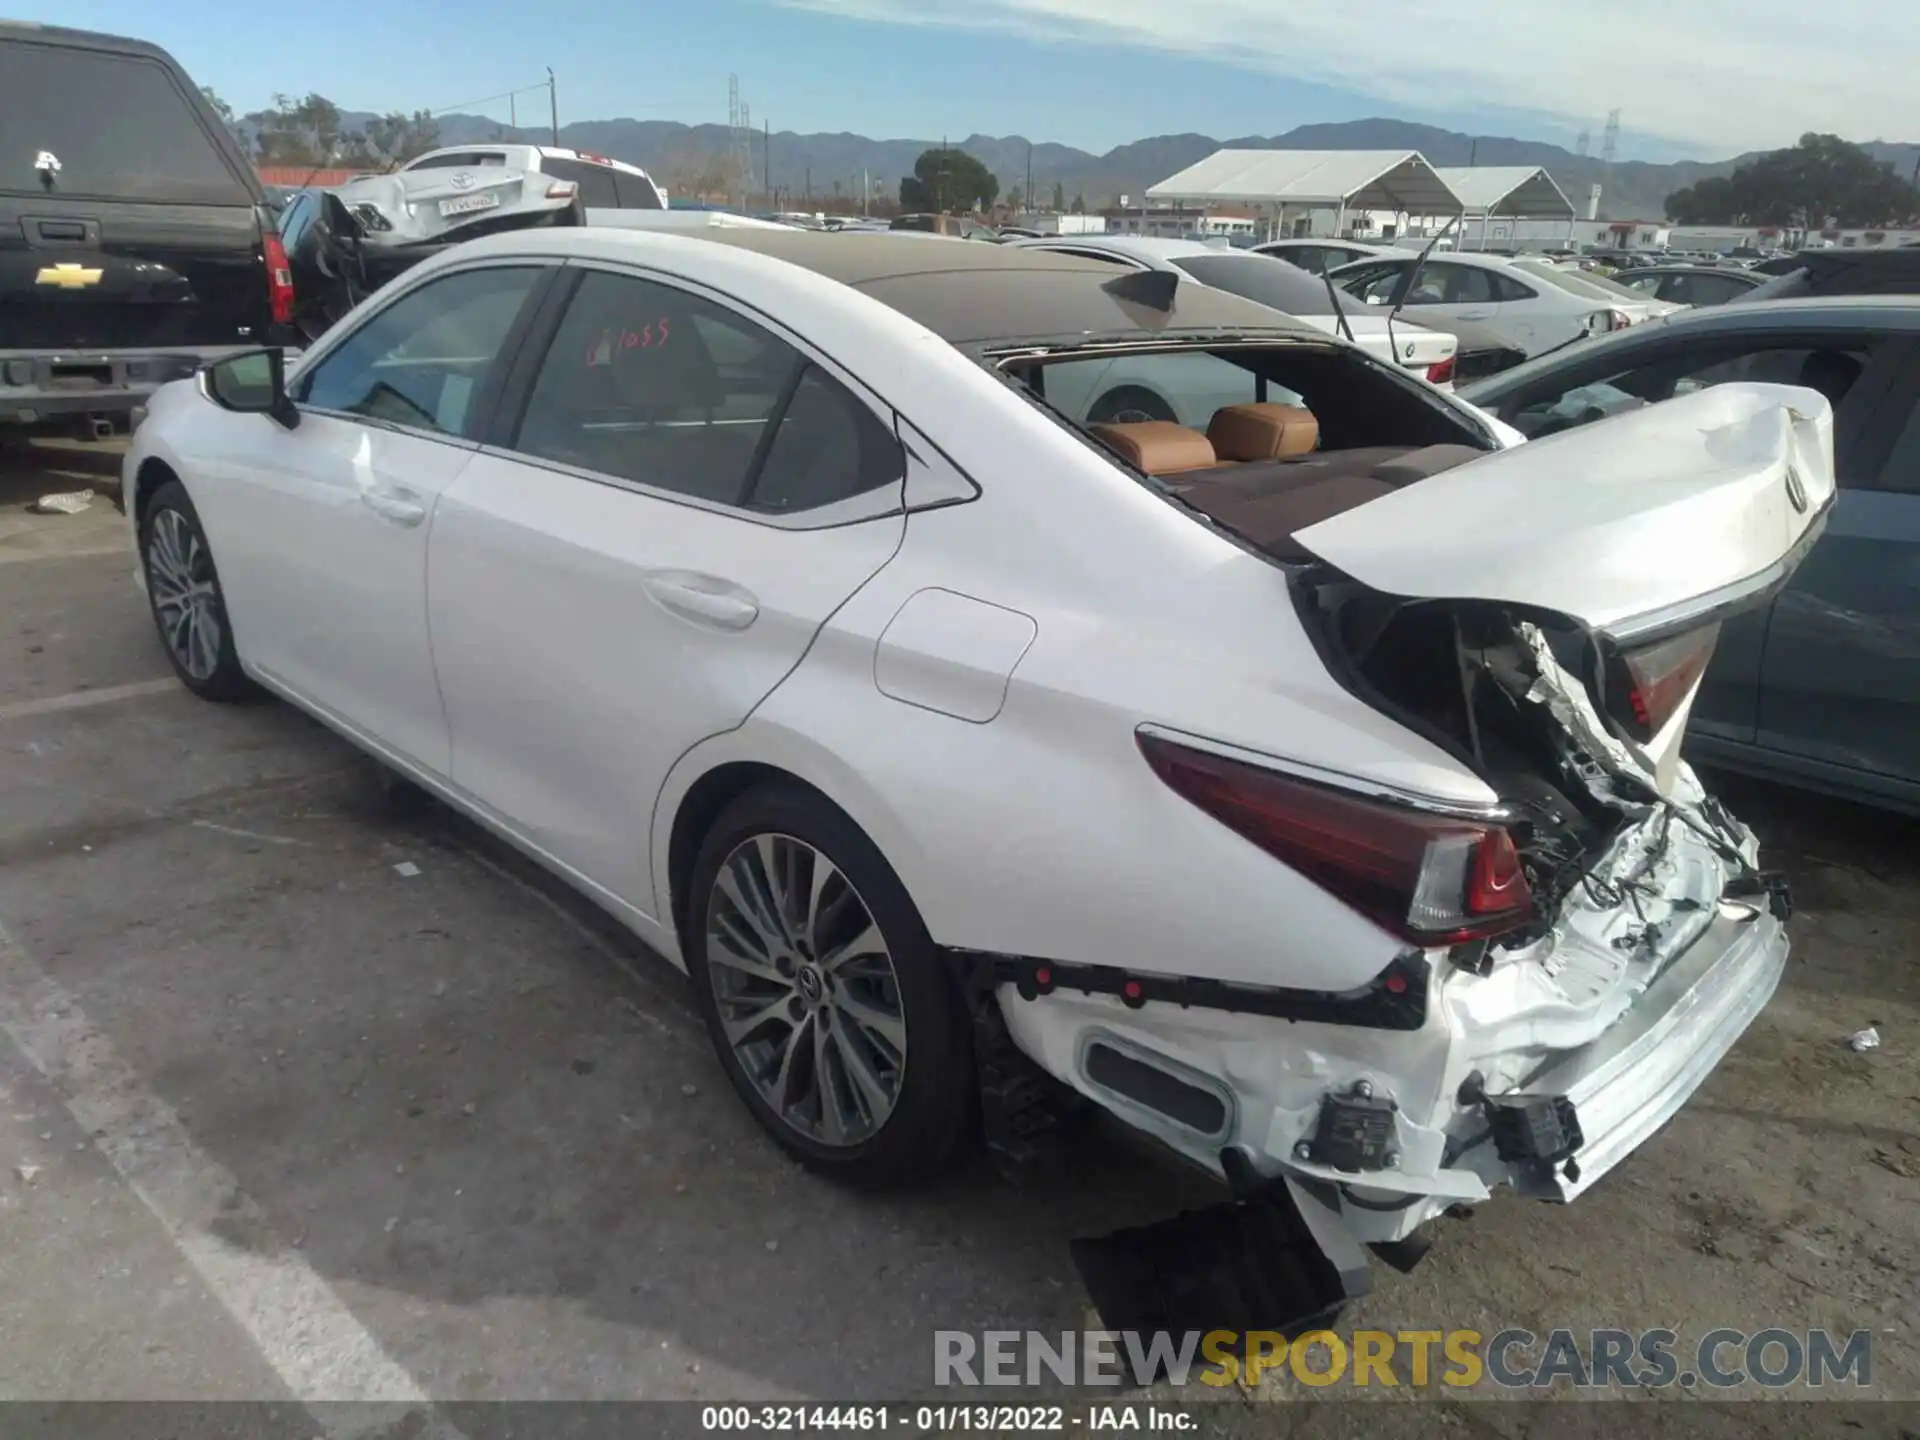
(1092, 73)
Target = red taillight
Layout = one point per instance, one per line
(561, 189)
(1620, 320)
(1442, 373)
(1658, 679)
(1430, 879)
(279, 279)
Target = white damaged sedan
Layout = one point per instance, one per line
(1301, 787)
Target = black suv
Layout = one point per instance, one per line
(135, 241)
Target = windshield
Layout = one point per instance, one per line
(1593, 287)
(1265, 281)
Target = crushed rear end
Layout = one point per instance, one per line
(1579, 953)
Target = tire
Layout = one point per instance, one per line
(1126, 404)
(194, 630)
(911, 1121)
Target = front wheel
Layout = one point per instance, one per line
(189, 608)
(833, 1014)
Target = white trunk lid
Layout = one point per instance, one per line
(1624, 524)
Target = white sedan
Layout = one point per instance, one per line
(1529, 311)
(1303, 789)
(1285, 287)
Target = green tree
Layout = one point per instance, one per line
(1059, 196)
(392, 139)
(1822, 181)
(948, 179)
(227, 117)
(1079, 204)
(299, 132)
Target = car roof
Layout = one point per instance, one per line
(974, 295)
(1733, 270)
(91, 39)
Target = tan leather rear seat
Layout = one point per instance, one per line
(1157, 447)
(1262, 432)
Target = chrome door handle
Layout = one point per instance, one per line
(398, 506)
(704, 599)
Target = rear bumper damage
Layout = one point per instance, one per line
(1538, 1073)
(1622, 1010)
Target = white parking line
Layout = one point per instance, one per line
(299, 1324)
(86, 699)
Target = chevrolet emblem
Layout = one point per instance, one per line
(69, 276)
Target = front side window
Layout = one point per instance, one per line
(666, 389)
(418, 361)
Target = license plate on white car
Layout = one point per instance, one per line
(467, 204)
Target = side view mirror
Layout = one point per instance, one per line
(253, 382)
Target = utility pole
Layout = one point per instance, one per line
(1026, 195)
(513, 114)
(866, 192)
(766, 159)
(553, 105)
(940, 182)
(1473, 155)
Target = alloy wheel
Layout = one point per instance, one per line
(186, 599)
(806, 990)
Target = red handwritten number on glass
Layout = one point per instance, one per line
(610, 343)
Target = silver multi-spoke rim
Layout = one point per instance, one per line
(806, 989)
(186, 600)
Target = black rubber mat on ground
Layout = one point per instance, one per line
(1243, 1266)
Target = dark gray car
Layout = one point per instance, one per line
(1690, 284)
(1822, 688)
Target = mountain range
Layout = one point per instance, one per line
(823, 165)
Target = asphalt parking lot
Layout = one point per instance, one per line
(278, 1121)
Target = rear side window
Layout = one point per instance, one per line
(119, 126)
(666, 389)
(597, 190)
(636, 191)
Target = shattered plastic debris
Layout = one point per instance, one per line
(406, 869)
(1867, 1039)
(27, 1173)
(71, 502)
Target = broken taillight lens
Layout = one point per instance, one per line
(1650, 684)
(1441, 373)
(1430, 879)
(561, 189)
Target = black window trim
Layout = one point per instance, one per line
(485, 394)
(516, 393)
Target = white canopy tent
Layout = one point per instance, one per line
(1510, 192)
(1293, 180)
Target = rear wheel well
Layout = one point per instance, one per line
(152, 475)
(710, 795)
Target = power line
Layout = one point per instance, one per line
(487, 99)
